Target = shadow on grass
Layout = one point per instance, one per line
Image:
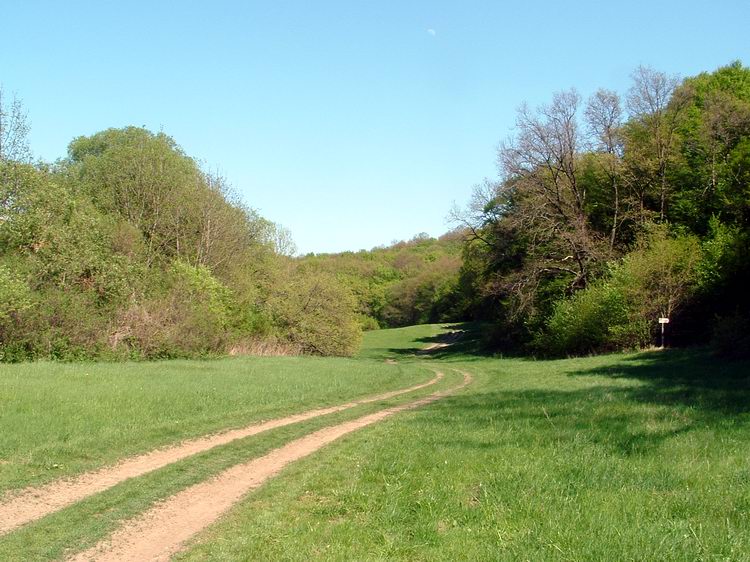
(624, 420)
(689, 377)
(681, 391)
(462, 340)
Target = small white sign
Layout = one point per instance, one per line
(663, 320)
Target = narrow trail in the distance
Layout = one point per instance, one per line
(160, 532)
(29, 504)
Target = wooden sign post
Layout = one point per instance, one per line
(662, 322)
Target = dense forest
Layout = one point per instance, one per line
(408, 282)
(608, 214)
(611, 213)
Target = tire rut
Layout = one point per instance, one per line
(29, 504)
(161, 531)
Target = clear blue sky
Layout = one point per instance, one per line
(353, 123)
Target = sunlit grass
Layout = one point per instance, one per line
(396, 342)
(82, 524)
(620, 457)
(60, 419)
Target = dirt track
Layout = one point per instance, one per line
(160, 532)
(30, 504)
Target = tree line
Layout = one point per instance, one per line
(127, 248)
(608, 214)
(612, 212)
(408, 282)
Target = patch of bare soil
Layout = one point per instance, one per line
(160, 532)
(30, 504)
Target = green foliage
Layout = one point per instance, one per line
(367, 323)
(619, 311)
(65, 242)
(61, 324)
(660, 222)
(405, 283)
(597, 228)
(129, 249)
(62, 248)
(424, 298)
(712, 173)
(197, 284)
(147, 180)
(15, 299)
(594, 320)
(191, 314)
(662, 273)
(15, 296)
(315, 311)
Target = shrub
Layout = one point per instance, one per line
(15, 295)
(596, 319)
(661, 274)
(15, 299)
(59, 324)
(190, 316)
(367, 323)
(315, 311)
(620, 310)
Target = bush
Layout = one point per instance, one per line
(661, 274)
(315, 311)
(367, 323)
(190, 316)
(15, 295)
(596, 319)
(59, 324)
(619, 311)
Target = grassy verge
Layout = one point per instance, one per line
(61, 419)
(620, 457)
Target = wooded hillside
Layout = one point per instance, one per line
(609, 213)
(127, 248)
(409, 282)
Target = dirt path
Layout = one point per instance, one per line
(446, 340)
(433, 346)
(160, 532)
(30, 504)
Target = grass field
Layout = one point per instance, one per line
(619, 457)
(59, 419)
(398, 342)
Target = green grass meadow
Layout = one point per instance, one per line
(622, 457)
(63, 418)
(396, 343)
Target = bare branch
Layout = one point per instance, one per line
(14, 130)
